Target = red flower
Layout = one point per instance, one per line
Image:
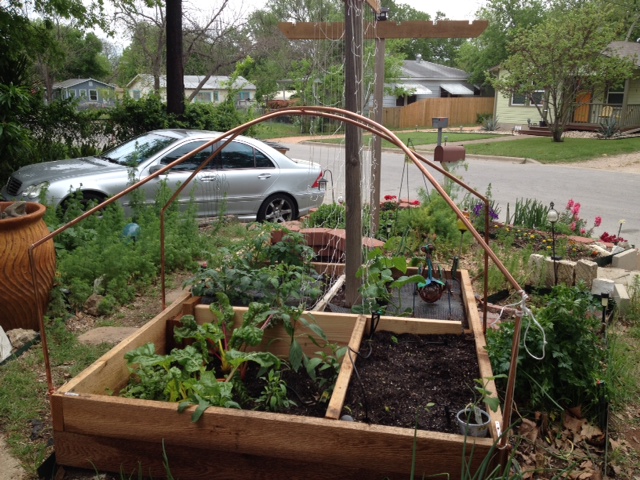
(597, 221)
(570, 205)
(390, 198)
(415, 202)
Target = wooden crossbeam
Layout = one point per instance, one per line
(385, 30)
(375, 5)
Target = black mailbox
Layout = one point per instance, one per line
(449, 153)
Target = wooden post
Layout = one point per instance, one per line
(376, 167)
(353, 144)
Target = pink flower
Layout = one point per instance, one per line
(573, 226)
(597, 221)
(570, 205)
(583, 231)
(576, 209)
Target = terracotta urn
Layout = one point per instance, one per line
(18, 294)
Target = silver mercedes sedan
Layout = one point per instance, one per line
(248, 178)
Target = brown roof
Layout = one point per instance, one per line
(629, 50)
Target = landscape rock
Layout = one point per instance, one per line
(91, 306)
(621, 297)
(628, 260)
(109, 335)
(5, 345)
(19, 337)
(586, 271)
(602, 285)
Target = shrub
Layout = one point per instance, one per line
(574, 353)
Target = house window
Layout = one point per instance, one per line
(203, 97)
(71, 93)
(537, 98)
(518, 99)
(615, 95)
(244, 96)
(216, 97)
(93, 95)
(82, 93)
(135, 94)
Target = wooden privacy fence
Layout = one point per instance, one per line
(459, 111)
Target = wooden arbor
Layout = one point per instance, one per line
(354, 33)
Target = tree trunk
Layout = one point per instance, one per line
(175, 67)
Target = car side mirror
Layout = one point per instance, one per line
(154, 169)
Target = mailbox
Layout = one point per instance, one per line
(449, 153)
(440, 122)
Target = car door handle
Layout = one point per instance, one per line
(208, 178)
(264, 176)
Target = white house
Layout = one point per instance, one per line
(214, 90)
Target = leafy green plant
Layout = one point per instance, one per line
(274, 395)
(609, 127)
(379, 281)
(529, 213)
(573, 348)
(328, 215)
(490, 124)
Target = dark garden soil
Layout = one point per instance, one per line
(398, 375)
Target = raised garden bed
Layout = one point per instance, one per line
(94, 429)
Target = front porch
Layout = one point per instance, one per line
(589, 116)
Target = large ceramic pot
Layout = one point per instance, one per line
(18, 307)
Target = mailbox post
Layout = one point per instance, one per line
(448, 153)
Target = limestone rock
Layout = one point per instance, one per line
(91, 306)
(19, 337)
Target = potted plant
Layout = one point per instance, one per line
(473, 420)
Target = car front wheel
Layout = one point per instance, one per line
(277, 208)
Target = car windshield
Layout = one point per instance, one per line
(138, 150)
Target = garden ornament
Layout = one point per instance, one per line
(431, 289)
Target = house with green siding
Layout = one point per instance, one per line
(619, 102)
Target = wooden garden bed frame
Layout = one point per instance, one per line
(97, 431)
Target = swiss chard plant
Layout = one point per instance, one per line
(210, 368)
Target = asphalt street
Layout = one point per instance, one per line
(613, 196)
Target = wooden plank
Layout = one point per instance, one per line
(346, 369)
(385, 30)
(484, 364)
(324, 301)
(110, 370)
(419, 326)
(338, 328)
(132, 458)
(285, 437)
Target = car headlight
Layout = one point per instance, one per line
(33, 191)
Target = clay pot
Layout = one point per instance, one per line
(18, 307)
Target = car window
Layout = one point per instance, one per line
(238, 155)
(190, 163)
(262, 161)
(139, 149)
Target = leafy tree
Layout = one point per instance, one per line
(477, 56)
(562, 57)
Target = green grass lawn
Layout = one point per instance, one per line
(544, 150)
(422, 138)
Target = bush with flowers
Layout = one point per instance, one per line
(570, 222)
(391, 203)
